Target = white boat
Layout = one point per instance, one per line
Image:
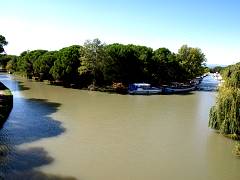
(143, 89)
(217, 76)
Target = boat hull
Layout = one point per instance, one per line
(145, 92)
(178, 90)
(143, 89)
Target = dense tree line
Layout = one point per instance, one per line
(216, 69)
(96, 63)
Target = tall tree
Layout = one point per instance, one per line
(43, 65)
(192, 60)
(4, 59)
(66, 65)
(143, 56)
(160, 65)
(12, 63)
(92, 59)
(3, 42)
(26, 60)
(216, 69)
(128, 63)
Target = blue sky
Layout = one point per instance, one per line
(211, 25)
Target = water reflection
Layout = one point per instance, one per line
(208, 84)
(29, 121)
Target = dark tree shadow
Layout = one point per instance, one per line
(29, 121)
(21, 87)
(20, 165)
(180, 93)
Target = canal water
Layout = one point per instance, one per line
(60, 133)
(209, 83)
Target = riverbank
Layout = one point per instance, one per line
(6, 103)
(121, 88)
(118, 88)
(224, 115)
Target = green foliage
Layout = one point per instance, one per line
(11, 65)
(66, 65)
(3, 42)
(4, 59)
(216, 69)
(26, 60)
(236, 150)
(127, 63)
(165, 67)
(100, 64)
(231, 74)
(92, 60)
(143, 56)
(206, 70)
(43, 65)
(225, 115)
(192, 60)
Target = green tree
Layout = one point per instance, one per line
(165, 68)
(127, 63)
(192, 60)
(143, 57)
(225, 115)
(21, 62)
(66, 65)
(92, 60)
(160, 65)
(43, 65)
(26, 60)
(216, 69)
(10, 62)
(3, 60)
(3, 42)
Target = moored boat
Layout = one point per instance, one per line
(143, 89)
(178, 89)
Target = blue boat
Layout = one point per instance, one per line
(143, 89)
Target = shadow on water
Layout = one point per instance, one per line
(179, 93)
(21, 87)
(29, 121)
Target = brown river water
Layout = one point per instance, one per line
(60, 133)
